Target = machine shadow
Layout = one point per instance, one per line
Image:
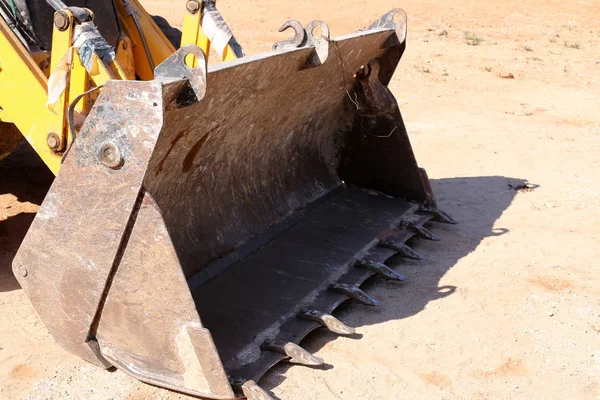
(25, 176)
(476, 203)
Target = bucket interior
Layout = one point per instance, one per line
(253, 187)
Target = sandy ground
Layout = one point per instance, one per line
(508, 304)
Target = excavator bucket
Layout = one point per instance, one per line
(203, 223)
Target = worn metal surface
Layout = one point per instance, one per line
(174, 68)
(295, 269)
(298, 40)
(97, 236)
(381, 269)
(242, 197)
(327, 320)
(295, 329)
(403, 249)
(203, 174)
(355, 293)
(422, 232)
(73, 243)
(149, 325)
(438, 215)
(254, 392)
(296, 354)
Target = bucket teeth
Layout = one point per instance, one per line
(296, 353)
(401, 248)
(329, 321)
(254, 392)
(438, 215)
(381, 269)
(423, 233)
(355, 293)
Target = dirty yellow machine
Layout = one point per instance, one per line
(204, 220)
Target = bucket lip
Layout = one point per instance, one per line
(282, 52)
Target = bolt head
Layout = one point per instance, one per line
(61, 20)
(53, 141)
(110, 155)
(22, 271)
(193, 6)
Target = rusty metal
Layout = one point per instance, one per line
(61, 20)
(381, 269)
(111, 155)
(298, 40)
(53, 141)
(401, 248)
(212, 188)
(327, 320)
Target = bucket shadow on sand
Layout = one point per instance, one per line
(480, 201)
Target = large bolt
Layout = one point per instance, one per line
(61, 20)
(193, 6)
(53, 141)
(111, 156)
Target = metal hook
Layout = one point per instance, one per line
(298, 40)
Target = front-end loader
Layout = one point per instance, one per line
(203, 220)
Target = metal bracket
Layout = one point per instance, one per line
(395, 19)
(175, 67)
(317, 36)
